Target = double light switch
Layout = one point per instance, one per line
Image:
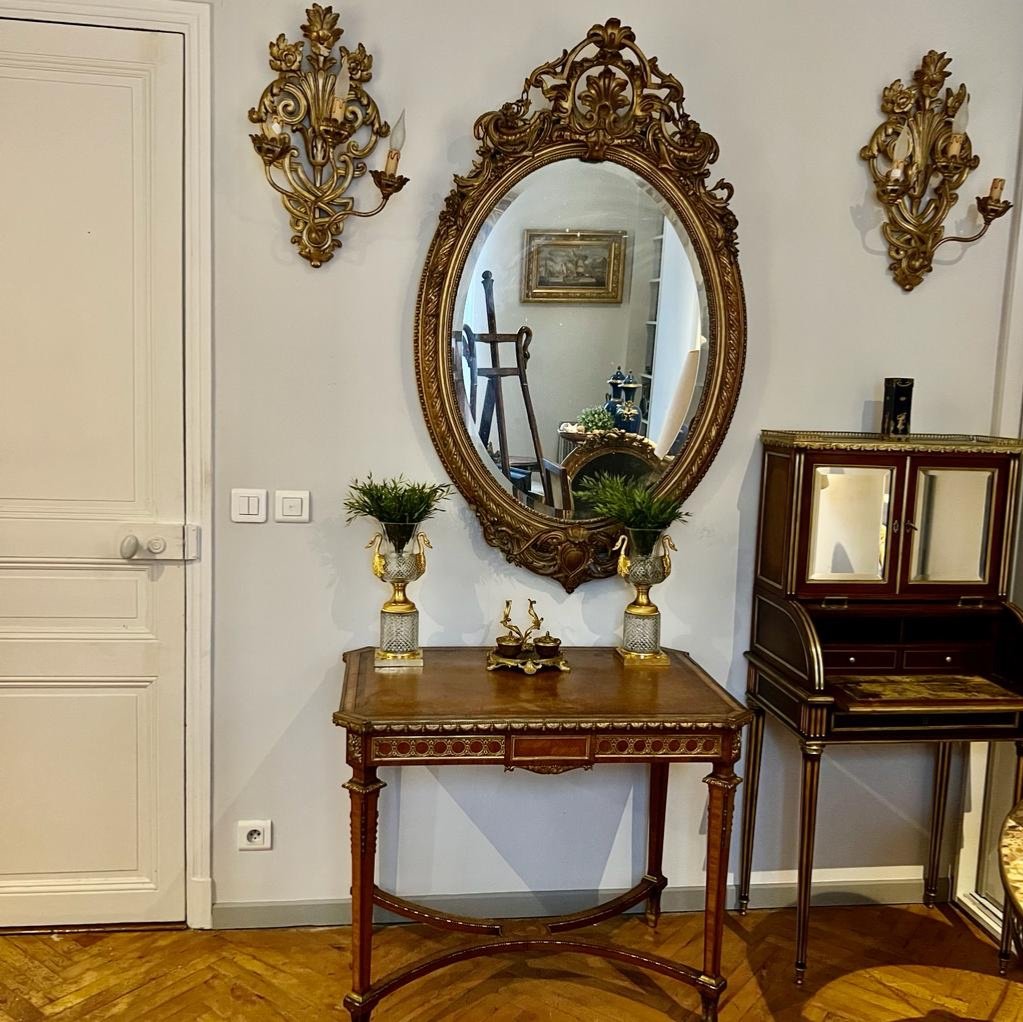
(251, 505)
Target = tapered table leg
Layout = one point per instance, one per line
(812, 752)
(1008, 912)
(722, 784)
(655, 837)
(749, 803)
(942, 766)
(364, 789)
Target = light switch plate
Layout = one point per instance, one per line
(248, 505)
(291, 505)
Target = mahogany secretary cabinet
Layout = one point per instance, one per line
(880, 612)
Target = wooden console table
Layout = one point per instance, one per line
(453, 712)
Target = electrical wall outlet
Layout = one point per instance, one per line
(255, 835)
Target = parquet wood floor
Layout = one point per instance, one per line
(867, 964)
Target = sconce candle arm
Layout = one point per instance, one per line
(374, 211)
(965, 239)
(990, 210)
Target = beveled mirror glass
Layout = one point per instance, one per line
(952, 525)
(564, 238)
(849, 524)
(581, 308)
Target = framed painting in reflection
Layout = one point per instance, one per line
(573, 266)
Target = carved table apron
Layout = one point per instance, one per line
(452, 711)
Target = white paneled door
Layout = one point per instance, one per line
(92, 535)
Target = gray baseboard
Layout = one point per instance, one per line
(260, 914)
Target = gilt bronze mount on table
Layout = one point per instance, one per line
(318, 126)
(521, 651)
(919, 156)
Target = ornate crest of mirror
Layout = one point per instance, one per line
(597, 150)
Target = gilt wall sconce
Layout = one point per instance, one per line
(918, 157)
(318, 126)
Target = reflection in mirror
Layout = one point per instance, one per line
(953, 523)
(578, 341)
(849, 525)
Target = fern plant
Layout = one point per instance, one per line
(399, 505)
(633, 506)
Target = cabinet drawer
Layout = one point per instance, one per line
(858, 659)
(932, 659)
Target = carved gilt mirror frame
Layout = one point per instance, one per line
(605, 100)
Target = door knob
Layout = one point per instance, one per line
(130, 546)
(161, 541)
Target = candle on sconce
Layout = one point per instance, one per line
(995, 195)
(901, 152)
(342, 87)
(396, 143)
(959, 123)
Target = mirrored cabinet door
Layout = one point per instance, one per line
(851, 525)
(954, 525)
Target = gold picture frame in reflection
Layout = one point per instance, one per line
(580, 267)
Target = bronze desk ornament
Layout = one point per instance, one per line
(518, 650)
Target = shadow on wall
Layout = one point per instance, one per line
(888, 786)
(567, 846)
(273, 783)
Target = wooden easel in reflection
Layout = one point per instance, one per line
(493, 398)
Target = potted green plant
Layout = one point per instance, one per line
(399, 505)
(596, 419)
(634, 506)
(643, 516)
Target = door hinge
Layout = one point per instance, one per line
(192, 543)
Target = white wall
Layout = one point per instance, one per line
(315, 384)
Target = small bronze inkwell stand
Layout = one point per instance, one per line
(516, 649)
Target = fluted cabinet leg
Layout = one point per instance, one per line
(942, 767)
(655, 837)
(1008, 912)
(721, 801)
(364, 789)
(751, 769)
(812, 752)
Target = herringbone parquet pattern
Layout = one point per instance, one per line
(867, 963)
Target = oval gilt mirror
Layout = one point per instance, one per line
(581, 309)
